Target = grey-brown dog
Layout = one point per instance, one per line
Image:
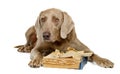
(54, 29)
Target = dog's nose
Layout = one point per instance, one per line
(46, 35)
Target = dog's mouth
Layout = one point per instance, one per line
(50, 40)
(47, 40)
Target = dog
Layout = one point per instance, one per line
(54, 29)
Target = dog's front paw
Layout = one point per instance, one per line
(23, 48)
(34, 63)
(105, 63)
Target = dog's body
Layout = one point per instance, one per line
(54, 29)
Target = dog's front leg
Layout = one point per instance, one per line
(36, 58)
(103, 62)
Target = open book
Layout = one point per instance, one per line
(70, 59)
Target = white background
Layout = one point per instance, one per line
(97, 25)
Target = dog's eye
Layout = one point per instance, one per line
(55, 19)
(43, 19)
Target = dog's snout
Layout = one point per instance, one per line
(46, 35)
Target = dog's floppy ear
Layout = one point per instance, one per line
(37, 25)
(67, 25)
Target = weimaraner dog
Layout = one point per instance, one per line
(54, 29)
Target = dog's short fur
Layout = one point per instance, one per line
(54, 29)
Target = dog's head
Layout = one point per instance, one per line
(53, 25)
